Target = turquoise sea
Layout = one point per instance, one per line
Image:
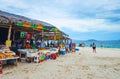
(106, 44)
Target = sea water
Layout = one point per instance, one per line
(105, 44)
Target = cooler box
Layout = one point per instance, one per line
(77, 49)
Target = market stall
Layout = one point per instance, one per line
(38, 55)
(27, 54)
(28, 30)
(6, 55)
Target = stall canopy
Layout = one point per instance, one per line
(21, 23)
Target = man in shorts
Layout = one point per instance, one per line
(94, 47)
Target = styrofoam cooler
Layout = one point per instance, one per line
(77, 49)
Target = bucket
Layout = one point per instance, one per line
(47, 57)
(53, 56)
(42, 56)
(62, 52)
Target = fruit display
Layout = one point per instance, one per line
(7, 54)
(2, 56)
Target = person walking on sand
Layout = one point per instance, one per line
(94, 47)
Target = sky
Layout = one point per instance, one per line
(80, 19)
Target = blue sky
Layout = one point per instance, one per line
(80, 19)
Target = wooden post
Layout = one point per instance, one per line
(54, 36)
(42, 34)
(14, 35)
(9, 31)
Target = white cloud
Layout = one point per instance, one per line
(60, 12)
(85, 25)
(4, 4)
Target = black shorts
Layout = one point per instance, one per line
(94, 47)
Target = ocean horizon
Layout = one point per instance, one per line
(106, 43)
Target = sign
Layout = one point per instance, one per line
(58, 37)
(8, 43)
(23, 34)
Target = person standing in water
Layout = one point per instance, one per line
(101, 45)
(94, 47)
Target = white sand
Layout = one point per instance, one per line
(105, 64)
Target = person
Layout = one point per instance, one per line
(42, 44)
(101, 45)
(94, 47)
(28, 46)
(67, 48)
(83, 44)
(90, 45)
(19, 44)
(70, 46)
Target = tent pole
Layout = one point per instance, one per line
(42, 34)
(54, 37)
(14, 35)
(9, 31)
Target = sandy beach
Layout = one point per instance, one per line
(105, 64)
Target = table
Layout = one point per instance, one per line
(28, 53)
(15, 62)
